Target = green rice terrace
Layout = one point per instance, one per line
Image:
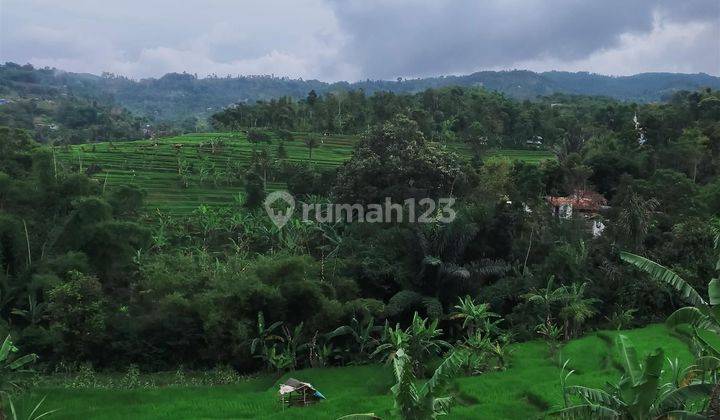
(181, 173)
(528, 388)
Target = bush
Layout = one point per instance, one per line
(257, 136)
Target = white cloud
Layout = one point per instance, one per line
(690, 47)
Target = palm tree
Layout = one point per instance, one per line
(576, 309)
(635, 217)
(638, 395)
(438, 251)
(547, 297)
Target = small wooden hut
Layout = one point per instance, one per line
(295, 393)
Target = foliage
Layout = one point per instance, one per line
(426, 401)
(10, 367)
(420, 338)
(364, 338)
(157, 253)
(703, 316)
(363, 389)
(386, 161)
(639, 394)
(475, 317)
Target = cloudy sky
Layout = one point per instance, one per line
(358, 39)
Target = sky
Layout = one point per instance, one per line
(354, 40)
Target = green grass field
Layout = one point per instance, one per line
(527, 389)
(153, 165)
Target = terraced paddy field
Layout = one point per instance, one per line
(527, 389)
(181, 173)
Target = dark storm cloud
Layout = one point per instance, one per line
(357, 39)
(400, 38)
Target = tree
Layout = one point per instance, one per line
(396, 161)
(281, 152)
(266, 338)
(576, 309)
(440, 276)
(420, 338)
(254, 190)
(362, 336)
(311, 142)
(312, 98)
(257, 136)
(77, 312)
(126, 200)
(703, 316)
(547, 297)
(285, 135)
(10, 366)
(639, 394)
(475, 317)
(427, 401)
(14, 144)
(635, 217)
(689, 149)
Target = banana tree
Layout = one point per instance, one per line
(293, 343)
(363, 335)
(10, 365)
(425, 401)
(266, 339)
(475, 317)
(9, 368)
(421, 339)
(639, 395)
(703, 316)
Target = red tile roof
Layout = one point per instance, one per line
(580, 200)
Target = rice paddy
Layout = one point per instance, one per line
(528, 388)
(181, 173)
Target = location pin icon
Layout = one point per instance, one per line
(278, 213)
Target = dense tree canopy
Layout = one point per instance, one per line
(119, 284)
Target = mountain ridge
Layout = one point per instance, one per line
(175, 96)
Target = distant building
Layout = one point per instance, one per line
(640, 130)
(536, 142)
(582, 203)
(598, 227)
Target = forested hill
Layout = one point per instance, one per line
(177, 96)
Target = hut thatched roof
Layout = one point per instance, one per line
(292, 385)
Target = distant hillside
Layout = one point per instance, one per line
(175, 95)
(62, 107)
(178, 96)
